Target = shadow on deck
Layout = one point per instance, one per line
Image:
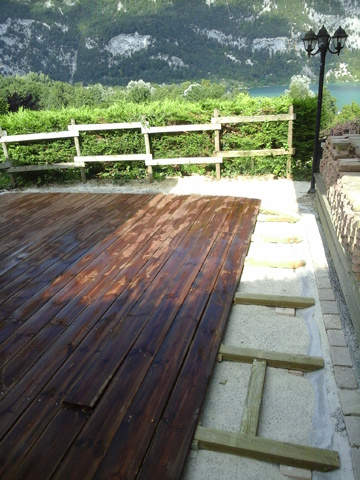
(112, 309)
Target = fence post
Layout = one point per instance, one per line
(7, 158)
(290, 141)
(148, 152)
(78, 153)
(217, 145)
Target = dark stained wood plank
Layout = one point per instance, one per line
(154, 392)
(64, 300)
(62, 273)
(28, 212)
(36, 260)
(166, 456)
(83, 457)
(30, 222)
(12, 370)
(70, 219)
(102, 303)
(128, 309)
(25, 241)
(153, 313)
(58, 275)
(29, 387)
(64, 427)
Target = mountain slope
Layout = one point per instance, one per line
(115, 41)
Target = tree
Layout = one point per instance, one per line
(139, 91)
(299, 88)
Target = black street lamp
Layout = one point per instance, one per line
(322, 40)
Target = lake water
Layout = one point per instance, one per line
(345, 93)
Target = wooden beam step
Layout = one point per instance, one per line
(267, 300)
(289, 361)
(276, 237)
(270, 214)
(251, 414)
(267, 450)
(275, 262)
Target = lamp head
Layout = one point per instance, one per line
(323, 38)
(310, 41)
(339, 39)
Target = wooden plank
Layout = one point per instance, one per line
(274, 300)
(24, 304)
(157, 308)
(104, 126)
(255, 118)
(68, 218)
(74, 307)
(251, 413)
(253, 153)
(268, 450)
(66, 425)
(277, 237)
(29, 297)
(275, 262)
(55, 308)
(14, 369)
(35, 137)
(181, 128)
(27, 237)
(169, 447)
(288, 361)
(282, 215)
(347, 281)
(113, 158)
(184, 161)
(36, 210)
(4, 165)
(27, 390)
(50, 166)
(146, 408)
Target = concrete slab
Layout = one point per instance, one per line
(336, 338)
(350, 402)
(332, 321)
(353, 430)
(341, 356)
(345, 378)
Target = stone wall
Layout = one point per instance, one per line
(340, 170)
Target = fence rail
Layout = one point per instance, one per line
(216, 125)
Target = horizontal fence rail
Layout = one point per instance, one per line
(217, 125)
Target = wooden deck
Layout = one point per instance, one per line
(112, 309)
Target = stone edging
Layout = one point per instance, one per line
(341, 360)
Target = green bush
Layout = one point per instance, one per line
(251, 136)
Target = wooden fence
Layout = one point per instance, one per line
(216, 125)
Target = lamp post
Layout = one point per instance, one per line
(322, 40)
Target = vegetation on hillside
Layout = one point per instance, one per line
(71, 41)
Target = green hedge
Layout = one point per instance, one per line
(252, 136)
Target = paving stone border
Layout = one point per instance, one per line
(341, 359)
